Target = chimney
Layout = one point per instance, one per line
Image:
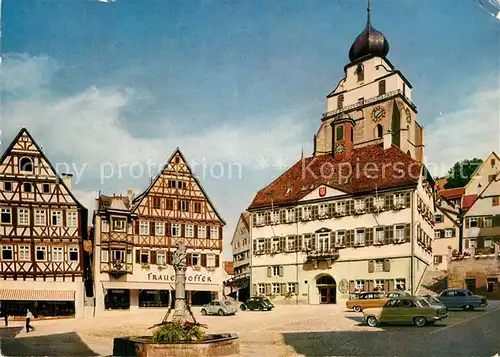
(387, 139)
(130, 195)
(67, 178)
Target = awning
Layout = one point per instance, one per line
(135, 285)
(37, 295)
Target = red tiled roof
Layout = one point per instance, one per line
(229, 267)
(441, 182)
(452, 192)
(367, 168)
(468, 201)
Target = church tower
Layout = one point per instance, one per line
(375, 96)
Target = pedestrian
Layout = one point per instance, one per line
(6, 314)
(29, 316)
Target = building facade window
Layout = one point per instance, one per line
(6, 215)
(214, 232)
(105, 226)
(400, 284)
(144, 256)
(7, 252)
(144, 228)
(197, 207)
(57, 254)
(448, 233)
(40, 217)
(202, 232)
(473, 222)
(379, 265)
(27, 187)
(46, 188)
(276, 288)
(291, 288)
(24, 253)
(360, 285)
(161, 258)
(211, 261)
(56, 218)
(360, 73)
(72, 219)
(360, 237)
(339, 133)
(439, 218)
(290, 215)
(159, 229)
(189, 231)
(41, 253)
(488, 221)
(340, 238)
(341, 207)
(275, 217)
(379, 284)
(73, 254)
(7, 186)
(195, 259)
(340, 101)
(261, 288)
(400, 233)
(307, 212)
(381, 87)
(26, 165)
(104, 256)
(23, 216)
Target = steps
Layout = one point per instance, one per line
(433, 282)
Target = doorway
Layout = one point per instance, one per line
(327, 288)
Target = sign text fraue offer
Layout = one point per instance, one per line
(196, 278)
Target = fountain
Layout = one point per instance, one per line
(179, 335)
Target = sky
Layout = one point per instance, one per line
(111, 89)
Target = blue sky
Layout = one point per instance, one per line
(231, 82)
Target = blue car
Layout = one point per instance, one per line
(461, 299)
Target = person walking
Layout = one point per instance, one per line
(29, 316)
(6, 313)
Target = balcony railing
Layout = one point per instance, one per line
(367, 101)
(118, 268)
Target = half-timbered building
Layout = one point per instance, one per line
(42, 228)
(135, 236)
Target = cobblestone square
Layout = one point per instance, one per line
(320, 330)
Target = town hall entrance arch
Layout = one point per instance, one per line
(327, 288)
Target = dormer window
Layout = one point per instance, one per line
(340, 101)
(381, 87)
(26, 165)
(360, 73)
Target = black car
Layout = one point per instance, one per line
(257, 303)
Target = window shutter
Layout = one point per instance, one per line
(153, 256)
(203, 260)
(152, 229)
(391, 285)
(268, 289)
(188, 259)
(369, 236)
(300, 242)
(332, 240)
(386, 285)
(466, 244)
(268, 245)
(283, 289)
(195, 231)
(387, 265)
(281, 270)
(255, 291)
(183, 230)
(352, 286)
(282, 244)
(387, 234)
(137, 227)
(407, 200)
(217, 260)
(137, 256)
(207, 229)
(168, 257)
(466, 223)
(254, 246)
(313, 241)
(269, 271)
(178, 205)
(220, 232)
(407, 232)
(267, 219)
(370, 285)
(371, 266)
(315, 212)
(350, 203)
(168, 229)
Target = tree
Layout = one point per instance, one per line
(461, 172)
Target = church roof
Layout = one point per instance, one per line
(368, 168)
(370, 42)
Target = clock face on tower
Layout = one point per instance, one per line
(339, 149)
(378, 113)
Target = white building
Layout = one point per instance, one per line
(241, 256)
(359, 214)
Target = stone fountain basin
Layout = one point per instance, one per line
(222, 344)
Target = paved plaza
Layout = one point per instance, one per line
(325, 330)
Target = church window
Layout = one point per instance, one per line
(340, 101)
(381, 87)
(360, 73)
(340, 132)
(379, 130)
(26, 165)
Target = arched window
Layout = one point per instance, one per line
(340, 101)
(379, 130)
(360, 72)
(381, 87)
(26, 165)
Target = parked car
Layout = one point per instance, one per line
(462, 299)
(257, 303)
(372, 299)
(406, 309)
(433, 300)
(218, 307)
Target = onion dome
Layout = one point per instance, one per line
(369, 42)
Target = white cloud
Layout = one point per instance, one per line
(85, 129)
(473, 130)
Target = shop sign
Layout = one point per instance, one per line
(196, 278)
